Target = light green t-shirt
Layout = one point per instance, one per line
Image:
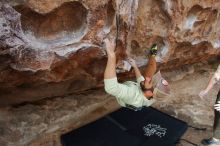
(128, 92)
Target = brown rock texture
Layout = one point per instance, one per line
(42, 123)
(54, 48)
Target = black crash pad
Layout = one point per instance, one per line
(125, 127)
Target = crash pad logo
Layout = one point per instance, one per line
(153, 129)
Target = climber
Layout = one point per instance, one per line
(131, 94)
(215, 139)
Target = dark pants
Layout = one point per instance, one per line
(216, 127)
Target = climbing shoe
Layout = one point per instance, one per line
(153, 50)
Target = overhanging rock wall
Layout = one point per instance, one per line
(54, 48)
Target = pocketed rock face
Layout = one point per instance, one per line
(184, 30)
(54, 48)
(51, 48)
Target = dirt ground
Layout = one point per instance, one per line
(195, 136)
(187, 105)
